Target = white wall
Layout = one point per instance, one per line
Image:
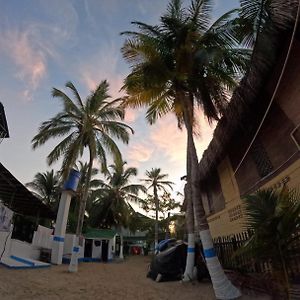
(68, 245)
(23, 249)
(97, 251)
(3, 237)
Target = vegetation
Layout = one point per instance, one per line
(90, 125)
(46, 186)
(111, 206)
(185, 63)
(274, 217)
(156, 181)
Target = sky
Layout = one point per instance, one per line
(44, 44)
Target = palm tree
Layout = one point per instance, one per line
(112, 206)
(90, 125)
(156, 181)
(82, 167)
(46, 187)
(257, 16)
(186, 62)
(274, 217)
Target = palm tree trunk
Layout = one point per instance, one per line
(223, 288)
(189, 217)
(156, 218)
(83, 201)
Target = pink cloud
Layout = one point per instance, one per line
(100, 66)
(130, 115)
(139, 153)
(166, 137)
(29, 59)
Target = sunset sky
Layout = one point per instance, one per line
(44, 44)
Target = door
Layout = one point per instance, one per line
(104, 254)
(88, 248)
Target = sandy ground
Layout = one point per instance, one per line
(111, 281)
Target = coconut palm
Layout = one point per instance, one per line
(155, 180)
(187, 62)
(112, 205)
(260, 15)
(46, 187)
(274, 217)
(92, 124)
(82, 167)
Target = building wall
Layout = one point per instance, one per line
(229, 219)
(276, 148)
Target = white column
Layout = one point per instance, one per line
(121, 256)
(109, 254)
(60, 228)
(73, 266)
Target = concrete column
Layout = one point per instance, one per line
(70, 187)
(60, 228)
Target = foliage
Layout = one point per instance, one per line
(156, 181)
(90, 125)
(185, 60)
(46, 186)
(166, 204)
(112, 205)
(274, 216)
(259, 15)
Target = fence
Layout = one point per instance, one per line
(226, 248)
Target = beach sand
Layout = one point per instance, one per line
(109, 281)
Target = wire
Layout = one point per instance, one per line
(275, 91)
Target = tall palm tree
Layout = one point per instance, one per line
(186, 62)
(112, 205)
(92, 124)
(156, 181)
(46, 187)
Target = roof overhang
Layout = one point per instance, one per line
(19, 199)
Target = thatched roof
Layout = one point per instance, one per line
(247, 97)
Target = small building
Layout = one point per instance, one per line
(256, 145)
(15, 243)
(100, 245)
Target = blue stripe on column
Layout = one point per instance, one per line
(58, 239)
(208, 253)
(22, 260)
(76, 249)
(190, 250)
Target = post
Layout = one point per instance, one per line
(62, 217)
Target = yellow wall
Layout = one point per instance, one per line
(230, 220)
(228, 182)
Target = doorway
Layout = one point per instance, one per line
(104, 254)
(88, 248)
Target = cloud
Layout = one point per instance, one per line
(139, 152)
(31, 44)
(103, 65)
(30, 60)
(130, 115)
(171, 141)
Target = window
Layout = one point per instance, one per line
(261, 158)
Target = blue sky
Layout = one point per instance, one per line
(44, 44)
